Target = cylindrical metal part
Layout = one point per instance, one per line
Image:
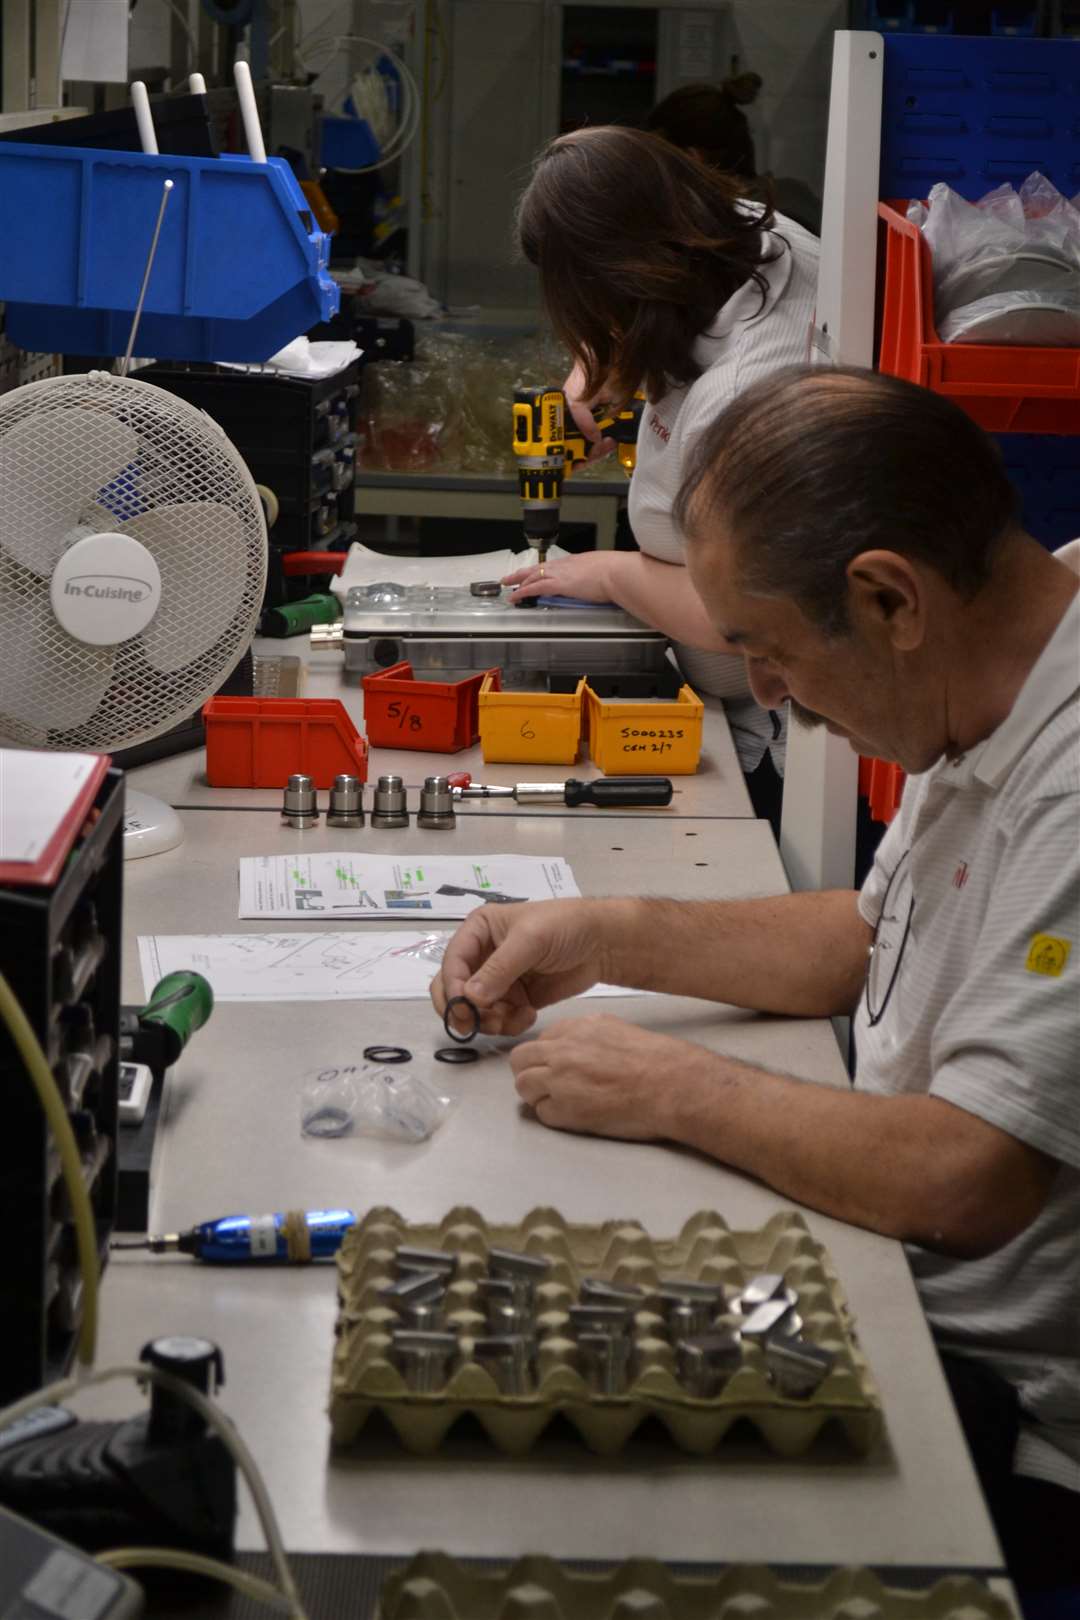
(540, 793)
(604, 1361)
(687, 1318)
(346, 802)
(423, 1358)
(508, 1358)
(389, 808)
(327, 637)
(704, 1364)
(506, 1317)
(436, 811)
(299, 808)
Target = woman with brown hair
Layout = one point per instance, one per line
(659, 276)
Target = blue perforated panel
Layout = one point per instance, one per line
(976, 112)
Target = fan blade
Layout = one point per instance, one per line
(52, 464)
(200, 552)
(48, 680)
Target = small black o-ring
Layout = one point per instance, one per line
(387, 1054)
(457, 1054)
(461, 1001)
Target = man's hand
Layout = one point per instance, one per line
(587, 577)
(511, 960)
(605, 1077)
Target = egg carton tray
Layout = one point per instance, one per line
(365, 1380)
(433, 1586)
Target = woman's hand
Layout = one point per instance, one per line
(581, 410)
(588, 578)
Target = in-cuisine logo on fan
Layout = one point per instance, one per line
(105, 589)
(109, 588)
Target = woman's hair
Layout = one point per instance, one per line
(638, 245)
(705, 118)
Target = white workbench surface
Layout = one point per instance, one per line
(230, 1141)
(717, 789)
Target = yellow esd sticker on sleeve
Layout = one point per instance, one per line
(1048, 954)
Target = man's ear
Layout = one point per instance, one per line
(887, 595)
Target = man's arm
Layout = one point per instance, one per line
(911, 1167)
(801, 954)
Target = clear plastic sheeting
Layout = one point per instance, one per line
(449, 409)
(1007, 268)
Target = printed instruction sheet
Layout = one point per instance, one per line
(443, 889)
(391, 965)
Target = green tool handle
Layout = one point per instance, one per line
(622, 790)
(296, 618)
(179, 1004)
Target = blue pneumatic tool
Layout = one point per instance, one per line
(295, 1238)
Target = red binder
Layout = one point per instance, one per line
(46, 867)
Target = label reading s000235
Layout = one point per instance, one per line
(657, 740)
(263, 1236)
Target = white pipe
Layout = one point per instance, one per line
(249, 112)
(141, 102)
(197, 84)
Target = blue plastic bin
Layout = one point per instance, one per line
(241, 267)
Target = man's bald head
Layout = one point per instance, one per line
(811, 467)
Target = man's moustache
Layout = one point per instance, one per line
(807, 718)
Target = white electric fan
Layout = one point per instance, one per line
(132, 566)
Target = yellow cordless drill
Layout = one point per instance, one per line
(547, 453)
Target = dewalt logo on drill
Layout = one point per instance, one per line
(551, 409)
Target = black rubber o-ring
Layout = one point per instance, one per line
(461, 1001)
(457, 1054)
(387, 1054)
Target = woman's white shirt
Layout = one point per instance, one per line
(751, 336)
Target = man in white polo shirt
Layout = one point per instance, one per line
(856, 538)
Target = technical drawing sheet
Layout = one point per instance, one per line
(444, 888)
(390, 965)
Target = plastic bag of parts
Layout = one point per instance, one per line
(1009, 242)
(449, 408)
(393, 1103)
(1037, 320)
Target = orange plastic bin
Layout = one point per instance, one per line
(1007, 388)
(437, 717)
(260, 742)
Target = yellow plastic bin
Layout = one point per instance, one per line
(530, 728)
(647, 738)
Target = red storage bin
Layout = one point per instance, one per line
(260, 742)
(1006, 388)
(436, 717)
(881, 782)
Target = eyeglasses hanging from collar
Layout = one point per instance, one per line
(891, 932)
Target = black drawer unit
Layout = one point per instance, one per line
(60, 953)
(296, 435)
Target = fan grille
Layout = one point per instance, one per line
(67, 469)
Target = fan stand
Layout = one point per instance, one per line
(150, 826)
